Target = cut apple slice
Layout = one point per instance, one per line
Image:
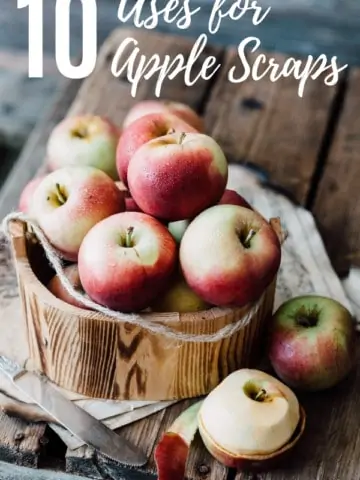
(172, 451)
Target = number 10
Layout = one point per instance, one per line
(62, 38)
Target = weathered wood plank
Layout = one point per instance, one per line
(269, 125)
(105, 94)
(20, 442)
(337, 201)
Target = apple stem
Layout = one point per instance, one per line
(61, 197)
(260, 396)
(182, 138)
(248, 238)
(128, 238)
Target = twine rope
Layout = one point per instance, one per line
(133, 319)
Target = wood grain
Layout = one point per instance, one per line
(337, 202)
(269, 125)
(94, 355)
(20, 441)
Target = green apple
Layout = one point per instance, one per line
(179, 298)
(312, 342)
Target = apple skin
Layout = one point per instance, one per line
(231, 197)
(179, 298)
(125, 278)
(84, 140)
(131, 205)
(177, 176)
(216, 264)
(56, 288)
(312, 357)
(142, 131)
(27, 194)
(177, 229)
(181, 110)
(91, 196)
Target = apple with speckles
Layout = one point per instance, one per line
(181, 110)
(84, 140)
(312, 340)
(70, 201)
(142, 131)
(229, 255)
(27, 194)
(126, 261)
(177, 176)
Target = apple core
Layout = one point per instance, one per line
(255, 392)
(307, 319)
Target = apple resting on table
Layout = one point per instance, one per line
(177, 176)
(312, 342)
(181, 110)
(126, 261)
(142, 131)
(86, 140)
(229, 255)
(71, 200)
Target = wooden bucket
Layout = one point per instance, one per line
(97, 356)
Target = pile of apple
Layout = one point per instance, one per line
(144, 217)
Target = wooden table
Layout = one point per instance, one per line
(309, 148)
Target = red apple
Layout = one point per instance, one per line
(181, 110)
(229, 255)
(312, 341)
(177, 176)
(231, 197)
(56, 288)
(71, 200)
(27, 194)
(126, 260)
(142, 131)
(131, 205)
(86, 140)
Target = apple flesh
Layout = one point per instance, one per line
(179, 298)
(231, 197)
(126, 261)
(229, 255)
(177, 176)
(27, 194)
(312, 341)
(70, 201)
(181, 110)
(249, 414)
(142, 131)
(56, 288)
(86, 140)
